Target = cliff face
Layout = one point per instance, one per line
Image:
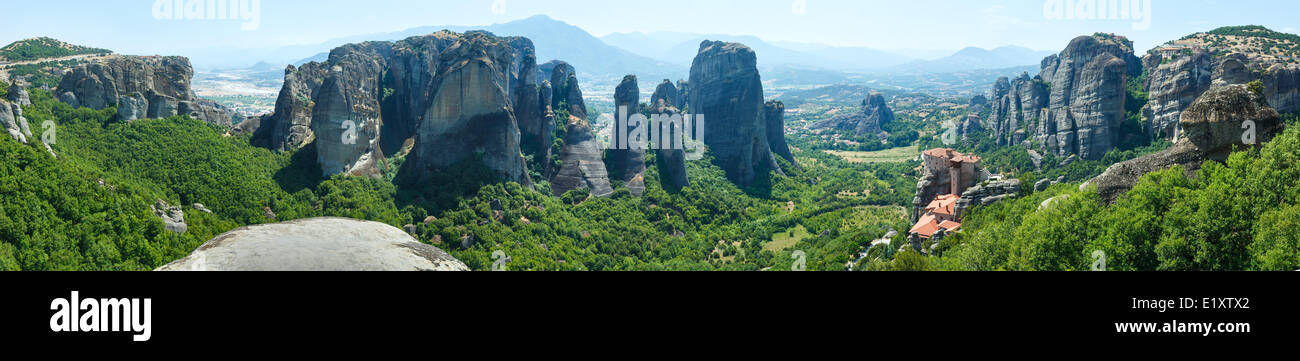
(1212, 126)
(1172, 85)
(727, 90)
(1018, 112)
(471, 113)
(346, 118)
(873, 114)
(141, 87)
(626, 162)
(1088, 94)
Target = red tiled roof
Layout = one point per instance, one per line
(945, 204)
(950, 226)
(926, 226)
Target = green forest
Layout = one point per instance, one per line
(89, 208)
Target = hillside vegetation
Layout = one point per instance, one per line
(43, 48)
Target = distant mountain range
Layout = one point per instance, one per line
(975, 59)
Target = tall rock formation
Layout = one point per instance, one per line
(1088, 91)
(346, 117)
(1075, 106)
(440, 98)
(727, 90)
(471, 113)
(874, 113)
(671, 162)
(155, 87)
(581, 163)
(624, 161)
(289, 128)
(1212, 128)
(774, 112)
(1018, 111)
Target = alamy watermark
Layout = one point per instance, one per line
(659, 131)
(1138, 11)
(249, 11)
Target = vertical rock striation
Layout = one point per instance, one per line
(727, 90)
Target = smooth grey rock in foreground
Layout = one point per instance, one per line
(317, 244)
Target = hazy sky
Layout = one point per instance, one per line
(130, 26)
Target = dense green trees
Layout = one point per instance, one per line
(1238, 215)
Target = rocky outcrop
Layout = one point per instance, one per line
(626, 162)
(581, 163)
(866, 121)
(669, 93)
(1173, 83)
(727, 90)
(317, 244)
(173, 218)
(289, 128)
(11, 113)
(157, 87)
(1212, 127)
(1282, 87)
(10, 123)
(987, 194)
(774, 112)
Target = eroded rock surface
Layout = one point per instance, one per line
(725, 87)
(317, 244)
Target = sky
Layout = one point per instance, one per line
(135, 27)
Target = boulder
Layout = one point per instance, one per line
(1213, 128)
(317, 244)
(727, 90)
